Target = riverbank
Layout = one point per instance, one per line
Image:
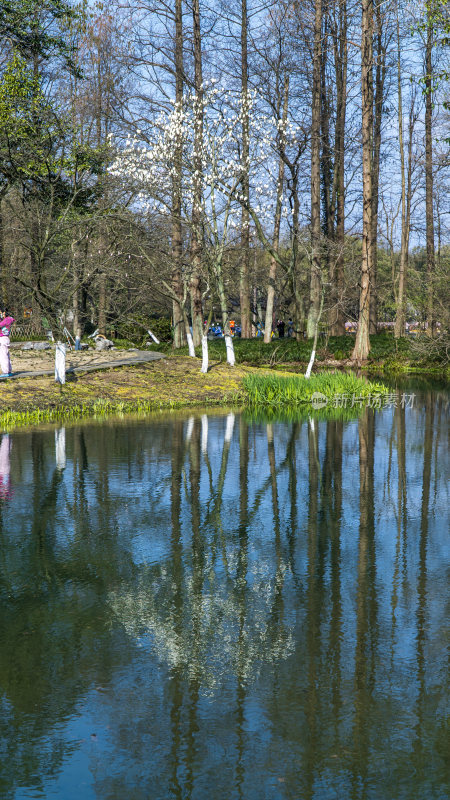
(165, 384)
(174, 382)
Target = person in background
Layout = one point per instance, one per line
(5, 329)
(280, 328)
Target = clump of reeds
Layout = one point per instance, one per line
(277, 391)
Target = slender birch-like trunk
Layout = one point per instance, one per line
(314, 347)
(362, 343)
(224, 312)
(76, 327)
(205, 355)
(429, 173)
(336, 317)
(177, 243)
(189, 339)
(380, 74)
(244, 281)
(399, 328)
(299, 315)
(3, 268)
(326, 151)
(277, 221)
(196, 235)
(315, 174)
(102, 300)
(400, 317)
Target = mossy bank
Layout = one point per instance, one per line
(169, 383)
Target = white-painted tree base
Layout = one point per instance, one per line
(310, 365)
(205, 362)
(190, 342)
(230, 351)
(60, 363)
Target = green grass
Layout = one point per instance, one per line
(100, 409)
(387, 354)
(278, 391)
(284, 351)
(252, 351)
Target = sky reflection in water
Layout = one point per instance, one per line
(210, 607)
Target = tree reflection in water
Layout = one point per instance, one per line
(218, 607)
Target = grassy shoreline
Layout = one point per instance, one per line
(169, 384)
(174, 383)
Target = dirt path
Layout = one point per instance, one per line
(34, 363)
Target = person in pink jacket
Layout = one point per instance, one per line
(5, 329)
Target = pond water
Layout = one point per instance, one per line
(220, 607)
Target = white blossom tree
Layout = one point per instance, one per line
(149, 167)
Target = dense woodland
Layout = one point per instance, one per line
(220, 161)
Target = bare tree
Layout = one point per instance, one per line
(177, 233)
(315, 174)
(196, 231)
(244, 286)
(339, 26)
(406, 194)
(431, 322)
(362, 343)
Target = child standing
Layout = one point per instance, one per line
(5, 328)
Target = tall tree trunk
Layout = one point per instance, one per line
(380, 74)
(299, 314)
(224, 313)
(327, 165)
(3, 270)
(196, 234)
(329, 209)
(400, 317)
(429, 173)
(336, 317)
(76, 329)
(37, 304)
(277, 221)
(315, 174)
(102, 304)
(244, 282)
(362, 343)
(177, 245)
